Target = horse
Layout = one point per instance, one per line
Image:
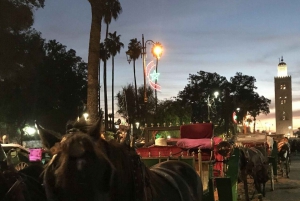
(284, 156)
(251, 162)
(86, 167)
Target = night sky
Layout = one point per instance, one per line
(222, 36)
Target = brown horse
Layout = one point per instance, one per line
(284, 156)
(86, 167)
(254, 164)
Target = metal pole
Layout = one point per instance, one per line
(144, 68)
(155, 87)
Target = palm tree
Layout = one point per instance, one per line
(134, 51)
(93, 58)
(114, 46)
(112, 9)
(104, 56)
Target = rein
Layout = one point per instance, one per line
(16, 184)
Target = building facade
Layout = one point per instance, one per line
(283, 100)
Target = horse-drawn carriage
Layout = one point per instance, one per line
(246, 156)
(265, 145)
(195, 144)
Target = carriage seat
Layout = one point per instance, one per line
(197, 136)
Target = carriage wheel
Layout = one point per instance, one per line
(21, 166)
(271, 174)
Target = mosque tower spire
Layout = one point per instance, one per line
(282, 68)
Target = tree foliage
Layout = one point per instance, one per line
(49, 91)
(200, 88)
(127, 108)
(114, 46)
(239, 92)
(173, 111)
(20, 44)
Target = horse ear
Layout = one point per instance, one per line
(96, 129)
(48, 137)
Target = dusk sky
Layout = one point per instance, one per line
(222, 36)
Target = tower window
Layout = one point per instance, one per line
(282, 101)
(283, 112)
(283, 117)
(282, 86)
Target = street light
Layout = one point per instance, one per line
(210, 104)
(157, 51)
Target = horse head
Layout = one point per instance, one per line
(79, 169)
(224, 148)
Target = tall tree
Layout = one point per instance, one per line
(134, 52)
(16, 19)
(111, 10)
(104, 56)
(200, 88)
(97, 8)
(67, 73)
(114, 46)
(259, 104)
(49, 92)
(20, 52)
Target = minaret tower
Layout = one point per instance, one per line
(283, 100)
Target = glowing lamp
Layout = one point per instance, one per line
(85, 115)
(157, 50)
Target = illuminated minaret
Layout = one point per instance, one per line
(283, 100)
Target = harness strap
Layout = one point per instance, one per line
(139, 177)
(176, 181)
(17, 183)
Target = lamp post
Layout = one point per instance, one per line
(210, 103)
(157, 51)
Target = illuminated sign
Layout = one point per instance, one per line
(152, 76)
